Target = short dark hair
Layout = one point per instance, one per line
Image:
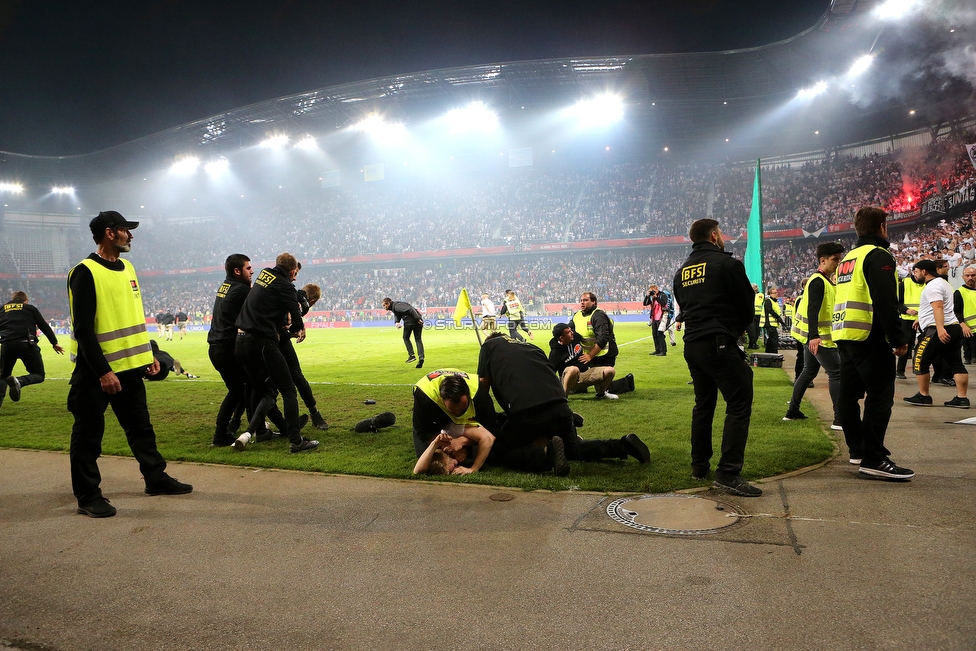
(869, 220)
(701, 230)
(828, 249)
(453, 388)
(235, 261)
(592, 297)
(19, 297)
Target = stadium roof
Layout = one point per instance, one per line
(690, 102)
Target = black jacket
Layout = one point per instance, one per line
(226, 308)
(714, 293)
(271, 299)
(879, 272)
(561, 357)
(20, 321)
(405, 312)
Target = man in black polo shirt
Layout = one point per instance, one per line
(531, 395)
(270, 301)
(413, 323)
(19, 321)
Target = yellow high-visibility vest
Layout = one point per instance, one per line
(799, 330)
(824, 316)
(760, 297)
(912, 293)
(120, 321)
(582, 325)
(968, 306)
(853, 308)
(430, 384)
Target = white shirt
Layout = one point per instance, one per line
(487, 307)
(937, 289)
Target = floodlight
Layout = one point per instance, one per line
(217, 166)
(895, 9)
(861, 65)
(15, 188)
(275, 141)
(599, 111)
(374, 125)
(473, 117)
(185, 165)
(307, 144)
(62, 189)
(817, 89)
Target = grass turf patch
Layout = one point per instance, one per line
(347, 366)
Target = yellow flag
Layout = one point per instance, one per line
(463, 307)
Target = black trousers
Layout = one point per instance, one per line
(969, 349)
(660, 342)
(295, 368)
(911, 336)
(417, 329)
(772, 339)
(268, 373)
(514, 327)
(232, 373)
(30, 354)
(521, 439)
(752, 330)
(87, 403)
(867, 370)
(717, 364)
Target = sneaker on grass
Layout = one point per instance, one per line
(606, 395)
(794, 414)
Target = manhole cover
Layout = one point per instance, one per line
(688, 515)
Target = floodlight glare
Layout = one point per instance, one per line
(217, 166)
(600, 110)
(374, 125)
(817, 89)
(307, 144)
(896, 9)
(185, 165)
(275, 141)
(15, 188)
(861, 65)
(62, 189)
(473, 117)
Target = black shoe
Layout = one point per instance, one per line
(318, 421)
(233, 426)
(919, 400)
(810, 386)
(885, 469)
(958, 403)
(266, 435)
(385, 419)
(302, 422)
(222, 441)
(577, 420)
(97, 508)
(794, 414)
(636, 448)
(699, 475)
(420, 364)
(737, 486)
(304, 446)
(947, 382)
(410, 359)
(900, 376)
(168, 486)
(557, 453)
(14, 385)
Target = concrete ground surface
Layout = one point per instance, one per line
(284, 560)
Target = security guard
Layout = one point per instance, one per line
(716, 307)
(964, 305)
(596, 329)
(868, 333)
(221, 340)
(772, 320)
(909, 292)
(19, 322)
(512, 306)
(270, 301)
(110, 350)
(754, 330)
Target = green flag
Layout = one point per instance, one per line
(754, 235)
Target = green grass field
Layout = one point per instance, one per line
(349, 365)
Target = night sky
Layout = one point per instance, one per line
(77, 76)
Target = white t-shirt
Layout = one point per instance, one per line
(937, 289)
(487, 307)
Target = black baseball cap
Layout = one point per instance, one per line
(927, 266)
(559, 329)
(110, 219)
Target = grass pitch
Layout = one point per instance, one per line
(347, 366)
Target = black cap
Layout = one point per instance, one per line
(559, 329)
(110, 219)
(928, 266)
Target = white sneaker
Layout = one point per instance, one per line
(242, 441)
(606, 395)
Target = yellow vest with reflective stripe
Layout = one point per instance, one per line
(581, 324)
(430, 384)
(760, 297)
(788, 310)
(968, 306)
(514, 309)
(912, 293)
(853, 309)
(798, 330)
(120, 322)
(824, 317)
(775, 308)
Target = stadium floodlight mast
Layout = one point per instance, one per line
(598, 111)
(185, 165)
(861, 65)
(476, 116)
(14, 188)
(376, 126)
(307, 143)
(818, 88)
(275, 141)
(896, 9)
(62, 189)
(217, 167)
